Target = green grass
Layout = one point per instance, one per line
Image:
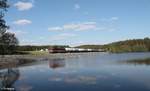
(36, 52)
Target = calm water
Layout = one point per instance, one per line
(84, 72)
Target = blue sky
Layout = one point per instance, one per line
(77, 22)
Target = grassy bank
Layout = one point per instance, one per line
(36, 52)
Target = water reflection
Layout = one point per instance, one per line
(24, 87)
(138, 61)
(15, 62)
(56, 63)
(86, 72)
(81, 80)
(9, 73)
(74, 79)
(7, 78)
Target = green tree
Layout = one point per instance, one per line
(8, 41)
(3, 8)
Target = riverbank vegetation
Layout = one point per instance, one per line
(36, 48)
(134, 45)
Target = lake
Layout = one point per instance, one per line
(80, 72)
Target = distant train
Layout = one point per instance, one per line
(72, 50)
(57, 50)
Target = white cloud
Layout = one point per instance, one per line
(81, 26)
(75, 27)
(55, 29)
(62, 36)
(29, 42)
(110, 19)
(22, 22)
(106, 24)
(21, 6)
(67, 35)
(77, 6)
(18, 32)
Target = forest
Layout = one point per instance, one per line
(132, 45)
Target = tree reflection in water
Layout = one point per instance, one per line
(138, 61)
(8, 78)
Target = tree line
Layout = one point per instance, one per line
(37, 48)
(133, 45)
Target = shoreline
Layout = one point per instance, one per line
(7, 61)
(48, 56)
(55, 55)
